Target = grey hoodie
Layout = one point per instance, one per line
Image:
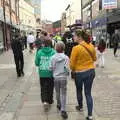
(60, 66)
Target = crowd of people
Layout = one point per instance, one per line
(55, 66)
(58, 57)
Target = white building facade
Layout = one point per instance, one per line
(27, 17)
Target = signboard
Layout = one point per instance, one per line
(109, 4)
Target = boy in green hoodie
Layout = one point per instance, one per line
(42, 61)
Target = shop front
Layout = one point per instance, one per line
(99, 28)
(1, 30)
(1, 38)
(113, 23)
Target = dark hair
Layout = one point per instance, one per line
(47, 42)
(44, 33)
(82, 33)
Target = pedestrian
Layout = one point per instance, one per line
(100, 53)
(18, 55)
(38, 42)
(82, 61)
(30, 40)
(25, 41)
(115, 39)
(42, 61)
(94, 40)
(60, 68)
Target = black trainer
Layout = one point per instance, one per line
(89, 118)
(58, 107)
(79, 108)
(64, 114)
(22, 73)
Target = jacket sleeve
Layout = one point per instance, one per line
(37, 59)
(94, 54)
(52, 64)
(73, 58)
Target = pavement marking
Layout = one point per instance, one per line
(7, 116)
(7, 66)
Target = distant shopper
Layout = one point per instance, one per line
(82, 61)
(25, 41)
(18, 55)
(43, 61)
(38, 42)
(115, 39)
(30, 40)
(60, 68)
(100, 53)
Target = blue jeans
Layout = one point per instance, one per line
(85, 78)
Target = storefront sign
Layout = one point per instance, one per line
(109, 4)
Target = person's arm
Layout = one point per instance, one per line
(73, 58)
(37, 59)
(94, 54)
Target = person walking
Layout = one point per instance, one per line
(25, 41)
(100, 53)
(30, 40)
(115, 39)
(42, 61)
(82, 61)
(18, 55)
(60, 68)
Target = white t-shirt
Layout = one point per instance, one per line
(30, 39)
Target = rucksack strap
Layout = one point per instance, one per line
(91, 55)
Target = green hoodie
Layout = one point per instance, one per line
(43, 60)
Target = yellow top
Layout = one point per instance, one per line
(80, 59)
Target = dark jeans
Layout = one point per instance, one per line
(47, 87)
(31, 46)
(85, 78)
(19, 61)
(115, 49)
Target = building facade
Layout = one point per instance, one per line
(9, 20)
(27, 17)
(101, 17)
(37, 11)
(73, 12)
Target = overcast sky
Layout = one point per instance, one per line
(52, 9)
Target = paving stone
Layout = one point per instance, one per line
(7, 116)
(33, 117)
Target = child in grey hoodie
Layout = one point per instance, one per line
(60, 68)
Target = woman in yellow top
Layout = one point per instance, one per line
(82, 61)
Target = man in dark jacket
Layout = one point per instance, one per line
(115, 39)
(18, 56)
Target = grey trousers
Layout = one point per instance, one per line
(61, 92)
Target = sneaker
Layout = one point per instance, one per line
(89, 118)
(58, 107)
(22, 73)
(64, 114)
(79, 108)
(45, 105)
(102, 66)
(18, 75)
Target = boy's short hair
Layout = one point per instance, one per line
(60, 47)
(47, 42)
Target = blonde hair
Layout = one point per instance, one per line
(60, 47)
